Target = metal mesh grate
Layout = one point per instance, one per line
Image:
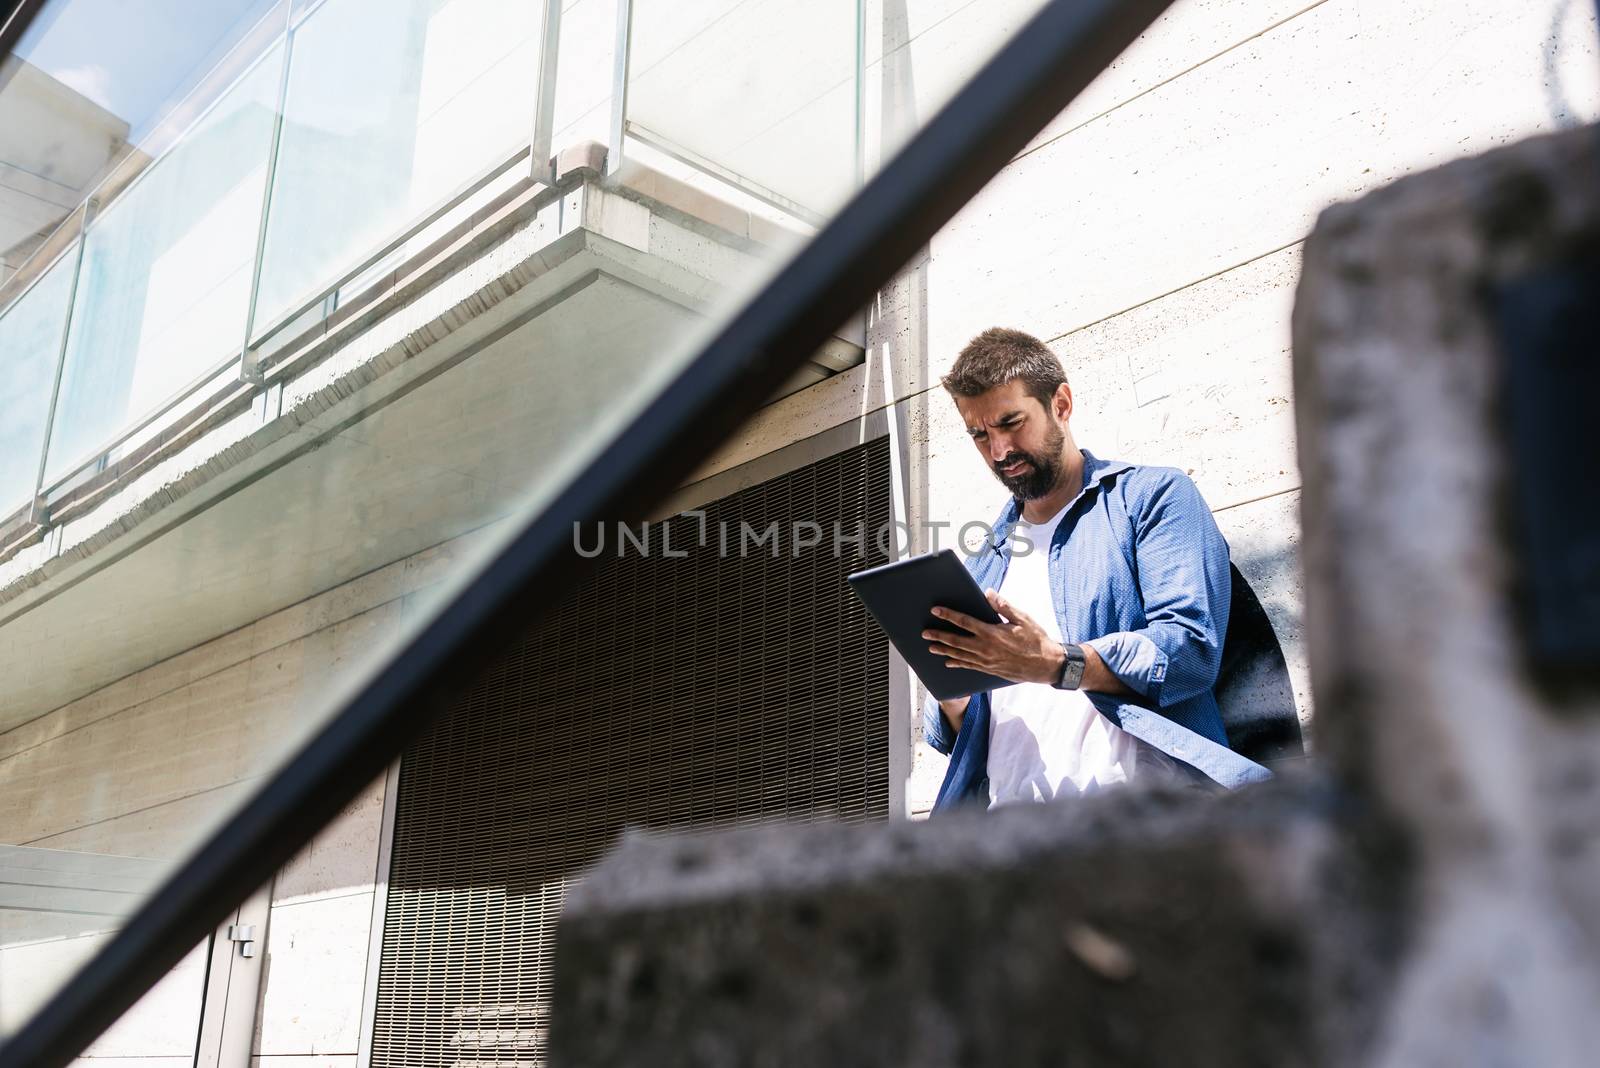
(666, 692)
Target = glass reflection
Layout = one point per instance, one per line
(166, 273)
(374, 136)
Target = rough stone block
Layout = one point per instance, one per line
(1431, 697)
(1131, 929)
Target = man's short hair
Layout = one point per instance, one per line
(999, 355)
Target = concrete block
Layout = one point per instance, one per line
(311, 983)
(1417, 573)
(1130, 929)
(164, 1021)
(341, 858)
(165, 831)
(1198, 379)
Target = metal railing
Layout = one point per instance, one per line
(56, 473)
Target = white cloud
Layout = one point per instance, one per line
(91, 80)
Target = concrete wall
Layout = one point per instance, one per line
(145, 767)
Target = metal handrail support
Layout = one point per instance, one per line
(619, 87)
(541, 165)
(249, 371)
(38, 511)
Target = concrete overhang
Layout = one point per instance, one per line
(424, 409)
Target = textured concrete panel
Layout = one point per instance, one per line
(920, 52)
(1415, 573)
(1036, 935)
(1198, 379)
(342, 857)
(164, 831)
(164, 1021)
(208, 734)
(1233, 159)
(316, 958)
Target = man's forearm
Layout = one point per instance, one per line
(1097, 678)
(954, 709)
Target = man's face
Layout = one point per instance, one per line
(1020, 439)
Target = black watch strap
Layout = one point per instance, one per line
(1071, 668)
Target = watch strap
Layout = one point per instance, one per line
(1072, 666)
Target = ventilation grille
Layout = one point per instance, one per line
(674, 692)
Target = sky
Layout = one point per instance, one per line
(134, 56)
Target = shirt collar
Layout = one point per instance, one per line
(1095, 472)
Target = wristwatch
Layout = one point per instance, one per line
(1072, 669)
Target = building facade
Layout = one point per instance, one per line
(315, 346)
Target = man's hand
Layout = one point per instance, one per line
(1017, 649)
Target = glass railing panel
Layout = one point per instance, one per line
(95, 89)
(375, 135)
(761, 92)
(165, 282)
(30, 345)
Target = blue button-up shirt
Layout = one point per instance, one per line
(1139, 571)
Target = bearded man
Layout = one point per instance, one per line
(1113, 583)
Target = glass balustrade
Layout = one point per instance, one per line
(373, 136)
(369, 139)
(30, 344)
(762, 93)
(165, 279)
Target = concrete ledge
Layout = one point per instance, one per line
(1132, 929)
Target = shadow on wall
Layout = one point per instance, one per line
(1253, 687)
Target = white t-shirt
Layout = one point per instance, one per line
(1045, 742)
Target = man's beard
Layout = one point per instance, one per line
(1042, 473)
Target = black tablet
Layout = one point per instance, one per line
(899, 596)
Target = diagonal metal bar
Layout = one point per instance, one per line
(1028, 81)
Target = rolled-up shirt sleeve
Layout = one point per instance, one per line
(1183, 574)
(935, 728)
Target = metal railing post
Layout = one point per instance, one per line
(249, 368)
(541, 168)
(861, 92)
(619, 89)
(38, 509)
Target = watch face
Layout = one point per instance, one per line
(1072, 670)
